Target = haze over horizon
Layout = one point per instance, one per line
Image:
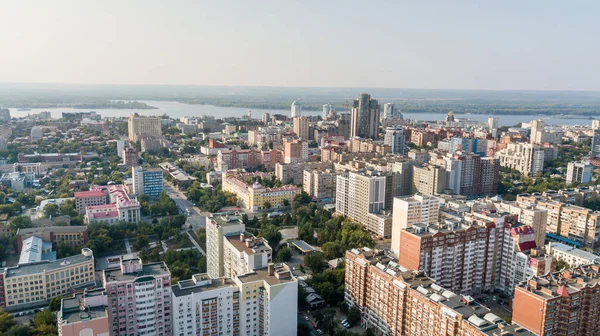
(340, 44)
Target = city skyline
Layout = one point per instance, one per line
(512, 45)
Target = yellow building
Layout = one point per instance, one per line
(256, 196)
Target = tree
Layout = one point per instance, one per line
(44, 317)
(19, 330)
(67, 208)
(271, 234)
(55, 303)
(6, 321)
(284, 254)
(353, 316)
(316, 261)
(268, 205)
(66, 250)
(141, 242)
(51, 210)
(326, 320)
(20, 222)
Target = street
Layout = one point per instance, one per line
(195, 218)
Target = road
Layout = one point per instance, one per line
(195, 243)
(195, 218)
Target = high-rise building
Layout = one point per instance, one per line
(295, 151)
(254, 304)
(559, 303)
(365, 117)
(362, 197)
(84, 314)
(537, 136)
(143, 126)
(408, 211)
(120, 147)
(596, 124)
(530, 215)
(596, 142)
(139, 298)
(130, 157)
(219, 226)
(296, 110)
(301, 127)
(526, 158)
(244, 253)
(319, 184)
(326, 109)
(429, 180)
(400, 302)
(4, 114)
(579, 172)
(493, 123)
(389, 111)
(147, 181)
(266, 118)
(396, 138)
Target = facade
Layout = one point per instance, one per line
(301, 127)
(254, 304)
(537, 135)
(573, 256)
(295, 151)
(296, 110)
(398, 302)
(139, 298)
(130, 157)
(526, 158)
(327, 108)
(596, 143)
(84, 314)
(120, 207)
(293, 173)
(238, 159)
(395, 138)
(83, 199)
(579, 172)
(361, 197)
(139, 126)
(33, 285)
(408, 211)
(364, 122)
(218, 227)
(147, 181)
(320, 184)
(430, 180)
(255, 196)
(560, 303)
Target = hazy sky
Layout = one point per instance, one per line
(406, 44)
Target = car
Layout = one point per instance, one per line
(344, 321)
(320, 331)
(306, 318)
(493, 298)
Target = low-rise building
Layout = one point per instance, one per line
(571, 255)
(256, 196)
(75, 236)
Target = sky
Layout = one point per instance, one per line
(497, 45)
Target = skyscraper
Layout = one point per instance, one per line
(537, 132)
(301, 127)
(143, 126)
(326, 109)
(365, 117)
(389, 111)
(596, 138)
(493, 123)
(296, 109)
(394, 136)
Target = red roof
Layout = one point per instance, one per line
(91, 193)
(562, 291)
(526, 246)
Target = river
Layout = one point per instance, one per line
(175, 110)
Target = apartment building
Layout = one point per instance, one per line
(130, 157)
(83, 199)
(255, 196)
(139, 298)
(148, 181)
(238, 159)
(301, 128)
(408, 211)
(219, 226)
(395, 138)
(571, 255)
(399, 302)
(143, 126)
(528, 214)
(257, 303)
(244, 253)
(560, 303)
(35, 284)
(74, 235)
(121, 207)
(579, 172)
(84, 313)
(319, 184)
(362, 197)
(293, 173)
(295, 151)
(526, 158)
(429, 180)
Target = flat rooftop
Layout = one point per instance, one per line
(259, 244)
(151, 269)
(35, 268)
(59, 229)
(203, 284)
(73, 312)
(263, 275)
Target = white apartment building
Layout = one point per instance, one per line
(408, 211)
(571, 255)
(218, 227)
(244, 253)
(579, 172)
(139, 298)
(259, 303)
(526, 158)
(358, 195)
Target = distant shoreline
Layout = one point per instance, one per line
(120, 105)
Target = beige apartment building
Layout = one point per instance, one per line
(408, 211)
(319, 184)
(429, 180)
(143, 126)
(301, 127)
